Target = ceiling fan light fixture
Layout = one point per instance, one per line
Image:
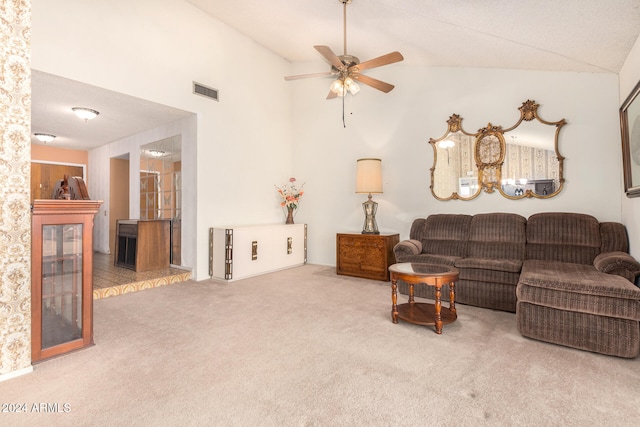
(340, 87)
(337, 87)
(346, 69)
(351, 86)
(85, 113)
(44, 137)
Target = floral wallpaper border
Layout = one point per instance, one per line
(15, 217)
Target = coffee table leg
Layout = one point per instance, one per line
(411, 290)
(438, 306)
(452, 297)
(394, 300)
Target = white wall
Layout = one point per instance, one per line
(265, 129)
(629, 77)
(154, 49)
(397, 126)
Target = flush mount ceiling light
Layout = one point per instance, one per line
(157, 153)
(44, 137)
(85, 113)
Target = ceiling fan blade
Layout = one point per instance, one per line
(305, 76)
(332, 95)
(389, 58)
(329, 56)
(374, 83)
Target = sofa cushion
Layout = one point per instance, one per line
(430, 259)
(417, 228)
(561, 236)
(614, 237)
(578, 287)
(489, 276)
(498, 236)
(442, 234)
(510, 265)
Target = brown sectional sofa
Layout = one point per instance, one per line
(568, 277)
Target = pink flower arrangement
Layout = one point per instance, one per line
(290, 194)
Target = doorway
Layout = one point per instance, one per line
(118, 196)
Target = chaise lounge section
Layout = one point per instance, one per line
(576, 287)
(567, 276)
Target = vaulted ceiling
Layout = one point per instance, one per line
(567, 35)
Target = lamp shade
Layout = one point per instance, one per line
(369, 176)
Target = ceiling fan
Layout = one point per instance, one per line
(348, 68)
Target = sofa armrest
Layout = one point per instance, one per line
(619, 263)
(407, 248)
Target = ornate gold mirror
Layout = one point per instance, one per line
(518, 162)
(457, 173)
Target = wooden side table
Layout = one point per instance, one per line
(424, 313)
(365, 255)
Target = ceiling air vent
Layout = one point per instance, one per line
(200, 89)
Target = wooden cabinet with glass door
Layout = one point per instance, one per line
(61, 276)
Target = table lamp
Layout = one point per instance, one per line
(368, 181)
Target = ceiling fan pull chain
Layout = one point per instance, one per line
(344, 124)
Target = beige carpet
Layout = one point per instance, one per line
(305, 347)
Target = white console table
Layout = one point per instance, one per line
(244, 251)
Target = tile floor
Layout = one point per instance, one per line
(110, 280)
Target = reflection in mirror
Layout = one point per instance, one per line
(160, 176)
(456, 171)
(531, 162)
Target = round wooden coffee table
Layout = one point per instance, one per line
(424, 313)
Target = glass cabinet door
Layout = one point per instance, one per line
(62, 289)
(61, 276)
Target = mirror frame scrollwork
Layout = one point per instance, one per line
(490, 149)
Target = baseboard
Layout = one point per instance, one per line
(14, 374)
